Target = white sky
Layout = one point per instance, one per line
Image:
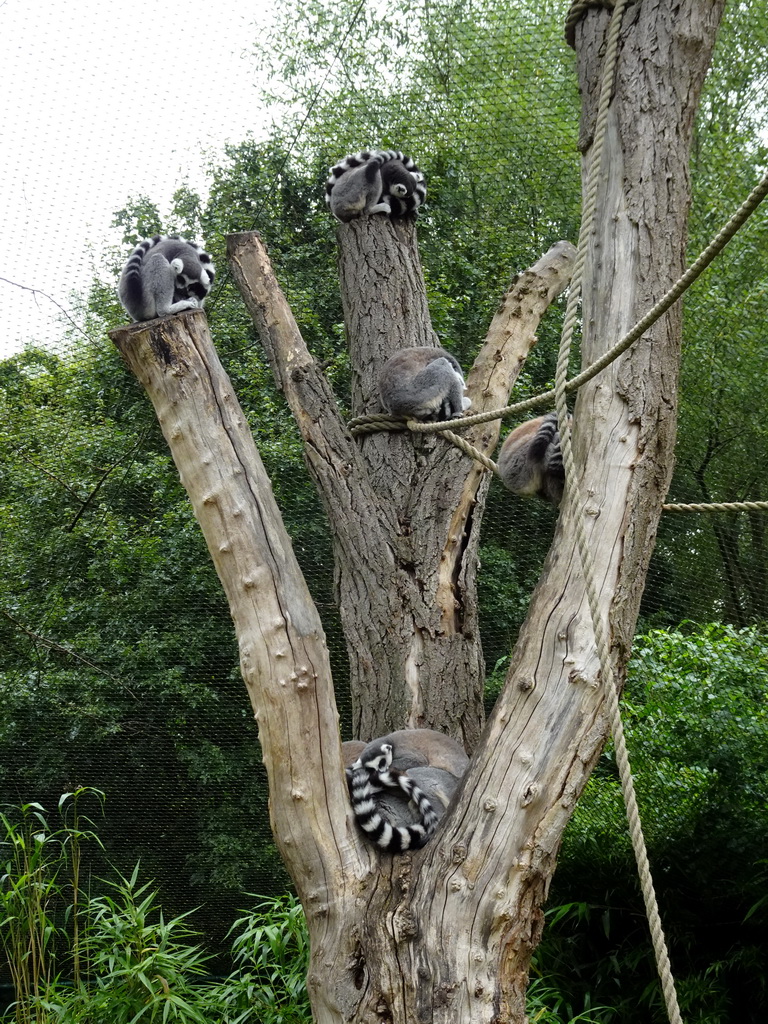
(103, 101)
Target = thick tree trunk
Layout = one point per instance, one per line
(446, 934)
(548, 726)
(283, 656)
(405, 510)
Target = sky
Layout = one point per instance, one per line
(102, 101)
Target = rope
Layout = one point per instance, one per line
(720, 506)
(696, 269)
(573, 498)
(374, 423)
(577, 10)
(469, 449)
(381, 421)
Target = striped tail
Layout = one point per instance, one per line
(366, 782)
(404, 199)
(131, 283)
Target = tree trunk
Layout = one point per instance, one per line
(405, 510)
(446, 934)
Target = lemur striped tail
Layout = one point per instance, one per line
(131, 283)
(165, 274)
(403, 185)
(366, 781)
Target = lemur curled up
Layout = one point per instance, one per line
(423, 383)
(367, 780)
(434, 762)
(375, 181)
(163, 275)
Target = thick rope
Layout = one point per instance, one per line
(577, 10)
(720, 506)
(376, 422)
(573, 498)
(381, 421)
(715, 247)
(367, 424)
(417, 427)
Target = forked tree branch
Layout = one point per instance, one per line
(283, 655)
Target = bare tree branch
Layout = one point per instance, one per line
(45, 295)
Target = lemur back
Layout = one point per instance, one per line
(366, 781)
(423, 383)
(163, 275)
(530, 460)
(375, 181)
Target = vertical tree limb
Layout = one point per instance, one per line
(283, 655)
(405, 512)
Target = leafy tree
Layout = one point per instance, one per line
(723, 437)
(697, 727)
(119, 664)
(455, 84)
(405, 569)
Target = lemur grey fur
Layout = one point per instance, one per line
(163, 275)
(413, 748)
(438, 784)
(367, 780)
(423, 384)
(375, 181)
(433, 761)
(530, 460)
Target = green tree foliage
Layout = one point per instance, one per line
(463, 88)
(120, 666)
(697, 727)
(723, 428)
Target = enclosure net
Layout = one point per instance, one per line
(119, 668)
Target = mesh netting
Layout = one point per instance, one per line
(120, 665)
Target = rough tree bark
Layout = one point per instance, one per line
(405, 510)
(446, 934)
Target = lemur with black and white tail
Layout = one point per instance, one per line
(367, 780)
(375, 181)
(163, 275)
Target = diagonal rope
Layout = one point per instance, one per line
(572, 497)
(462, 444)
(381, 421)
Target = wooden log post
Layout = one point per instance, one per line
(283, 656)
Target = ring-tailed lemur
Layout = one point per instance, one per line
(530, 460)
(367, 780)
(163, 275)
(412, 748)
(375, 181)
(424, 384)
